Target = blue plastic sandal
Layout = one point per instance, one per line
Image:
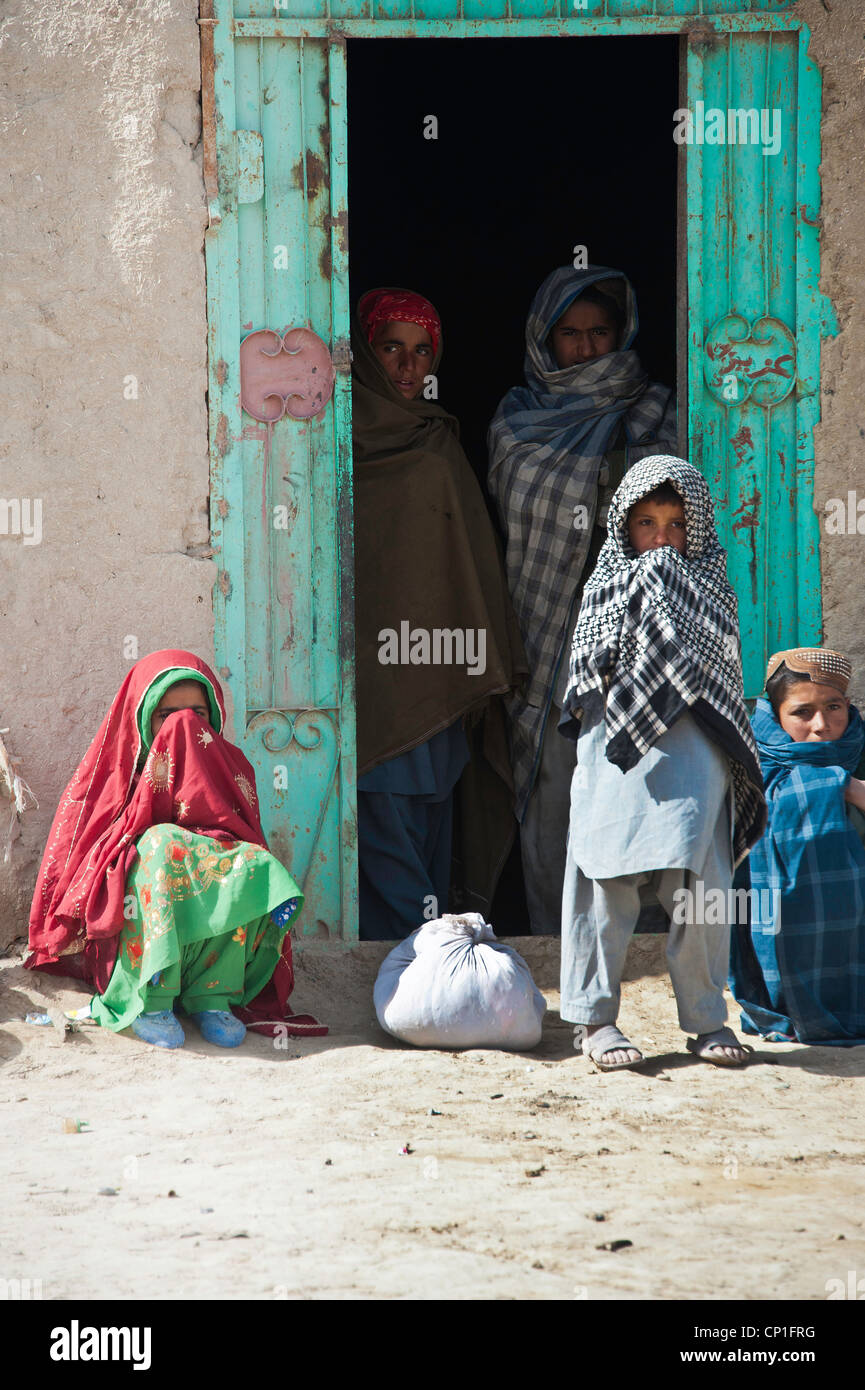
(220, 1026)
(161, 1029)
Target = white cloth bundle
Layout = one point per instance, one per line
(453, 984)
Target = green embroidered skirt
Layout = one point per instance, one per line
(199, 926)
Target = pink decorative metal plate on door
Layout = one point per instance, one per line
(291, 374)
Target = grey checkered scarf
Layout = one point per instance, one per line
(658, 634)
(547, 443)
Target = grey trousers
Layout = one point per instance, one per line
(544, 831)
(598, 920)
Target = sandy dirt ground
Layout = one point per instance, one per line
(277, 1172)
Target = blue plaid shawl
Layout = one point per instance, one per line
(801, 970)
(547, 442)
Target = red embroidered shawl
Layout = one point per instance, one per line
(192, 777)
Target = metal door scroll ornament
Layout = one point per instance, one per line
(285, 374)
(750, 360)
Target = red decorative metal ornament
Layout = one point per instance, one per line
(288, 374)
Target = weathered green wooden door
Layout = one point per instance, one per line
(280, 496)
(755, 317)
(275, 167)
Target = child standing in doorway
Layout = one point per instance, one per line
(559, 446)
(667, 789)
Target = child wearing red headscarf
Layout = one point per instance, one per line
(156, 883)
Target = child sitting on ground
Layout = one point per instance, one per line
(799, 970)
(655, 693)
(156, 884)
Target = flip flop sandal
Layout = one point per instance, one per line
(779, 1037)
(703, 1048)
(606, 1039)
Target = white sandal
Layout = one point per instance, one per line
(705, 1044)
(606, 1039)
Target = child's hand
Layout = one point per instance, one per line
(855, 792)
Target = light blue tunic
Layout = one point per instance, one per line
(660, 814)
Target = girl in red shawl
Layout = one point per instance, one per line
(156, 883)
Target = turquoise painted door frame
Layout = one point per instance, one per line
(276, 172)
(755, 317)
(277, 258)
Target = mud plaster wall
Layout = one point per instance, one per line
(838, 47)
(102, 231)
(103, 216)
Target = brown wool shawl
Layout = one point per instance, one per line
(425, 554)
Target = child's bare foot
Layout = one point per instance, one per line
(604, 1045)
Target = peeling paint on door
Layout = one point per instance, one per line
(277, 256)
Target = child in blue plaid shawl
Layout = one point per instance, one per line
(798, 969)
(667, 792)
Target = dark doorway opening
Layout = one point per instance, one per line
(542, 145)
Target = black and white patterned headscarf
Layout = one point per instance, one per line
(658, 633)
